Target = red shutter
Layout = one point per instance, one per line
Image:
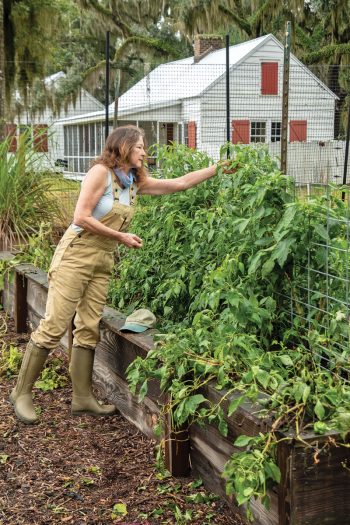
(269, 78)
(240, 131)
(10, 132)
(192, 135)
(298, 130)
(40, 138)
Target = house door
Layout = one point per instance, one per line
(166, 132)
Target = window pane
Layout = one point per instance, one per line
(186, 134)
(275, 131)
(258, 132)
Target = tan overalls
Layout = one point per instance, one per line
(78, 279)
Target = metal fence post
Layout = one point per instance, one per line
(107, 88)
(228, 126)
(286, 64)
(346, 159)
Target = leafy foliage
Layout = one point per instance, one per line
(10, 361)
(51, 377)
(226, 266)
(25, 196)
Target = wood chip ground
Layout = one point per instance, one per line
(76, 469)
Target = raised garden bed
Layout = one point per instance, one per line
(310, 493)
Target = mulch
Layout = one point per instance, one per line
(76, 470)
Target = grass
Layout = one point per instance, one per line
(25, 197)
(65, 192)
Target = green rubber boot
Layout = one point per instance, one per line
(83, 401)
(21, 396)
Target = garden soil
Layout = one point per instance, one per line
(82, 470)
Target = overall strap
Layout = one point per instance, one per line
(117, 190)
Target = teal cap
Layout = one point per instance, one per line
(139, 321)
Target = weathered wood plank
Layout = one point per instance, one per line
(320, 491)
(118, 351)
(213, 481)
(36, 297)
(176, 448)
(6, 256)
(144, 415)
(284, 461)
(244, 420)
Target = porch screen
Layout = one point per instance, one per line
(240, 131)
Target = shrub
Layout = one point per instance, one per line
(25, 197)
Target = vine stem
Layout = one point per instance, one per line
(276, 424)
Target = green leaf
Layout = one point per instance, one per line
(243, 441)
(306, 393)
(235, 403)
(322, 232)
(263, 377)
(223, 428)
(118, 510)
(276, 473)
(267, 267)
(286, 360)
(320, 427)
(143, 390)
(319, 410)
(282, 250)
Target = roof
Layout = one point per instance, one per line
(170, 83)
(52, 79)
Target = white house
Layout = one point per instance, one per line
(47, 139)
(185, 101)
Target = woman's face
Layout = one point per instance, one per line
(137, 154)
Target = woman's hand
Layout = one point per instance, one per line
(227, 166)
(130, 240)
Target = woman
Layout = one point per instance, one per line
(82, 263)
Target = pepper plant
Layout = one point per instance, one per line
(226, 268)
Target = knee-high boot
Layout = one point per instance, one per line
(83, 402)
(21, 396)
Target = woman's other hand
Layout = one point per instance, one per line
(130, 240)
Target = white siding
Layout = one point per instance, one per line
(308, 100)
(166, 114)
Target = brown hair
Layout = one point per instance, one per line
(118, 147)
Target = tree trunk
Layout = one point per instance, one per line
(2, 72)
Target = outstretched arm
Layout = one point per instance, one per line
(151, 186)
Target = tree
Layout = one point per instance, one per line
(2, 73)
(27, 35)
